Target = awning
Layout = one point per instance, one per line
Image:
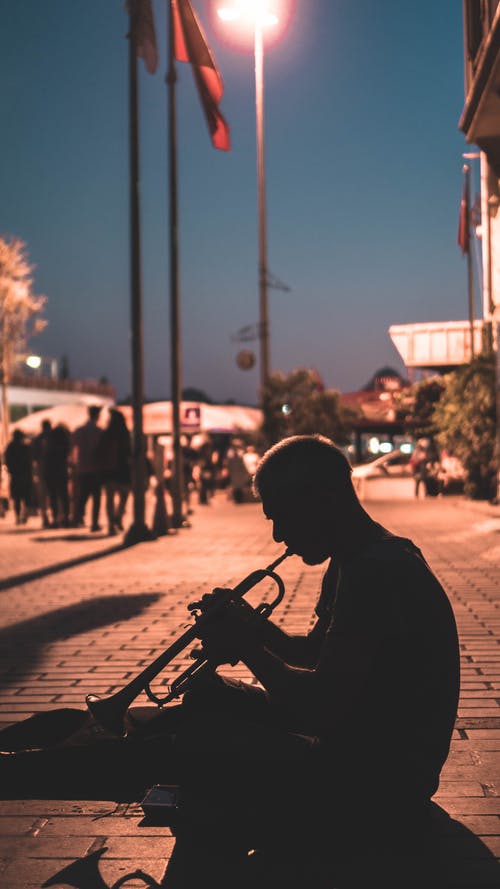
(157, 417)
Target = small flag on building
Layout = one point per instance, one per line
(142, 23)
(190, 45)
(463, 236)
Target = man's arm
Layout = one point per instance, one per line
(325, 696)
(296, 650)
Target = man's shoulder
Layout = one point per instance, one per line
(390, 547)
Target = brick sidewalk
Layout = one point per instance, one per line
(92, 625)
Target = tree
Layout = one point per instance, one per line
(19, 311)
(458, 412)
(465, 416)
(191, 393)
(298, 404)
(415, 406)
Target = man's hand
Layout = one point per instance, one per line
(228, 632)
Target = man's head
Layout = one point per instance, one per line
(46, 426)
(305, 486)
(94, 410)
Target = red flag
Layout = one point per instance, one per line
(142, 22)
(463, 237)
(190, 45)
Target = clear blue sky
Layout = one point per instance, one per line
(364, 174)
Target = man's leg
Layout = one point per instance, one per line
(41, 489)
(83, 491)
(109, 491)
(118, 770)
(96, 500)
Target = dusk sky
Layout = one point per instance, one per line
(364, 175)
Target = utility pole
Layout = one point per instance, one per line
(138, 531)
(175, 338)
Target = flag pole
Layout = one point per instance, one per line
(138, 531)
(470, 274)
(175, 347)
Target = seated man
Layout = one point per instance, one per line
(350, 725)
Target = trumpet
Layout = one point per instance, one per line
(110, 711)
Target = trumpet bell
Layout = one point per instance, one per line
(108, 712)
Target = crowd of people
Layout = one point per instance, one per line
(59, 472)
(60, 475)
(54, 475)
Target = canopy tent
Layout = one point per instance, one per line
(157, 417)
(72, 415)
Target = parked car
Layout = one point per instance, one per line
(396, 464)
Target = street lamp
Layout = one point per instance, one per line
(259, 16)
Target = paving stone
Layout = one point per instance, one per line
(115, 825)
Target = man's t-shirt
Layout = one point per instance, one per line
(391, 719)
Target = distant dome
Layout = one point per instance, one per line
(386, 379)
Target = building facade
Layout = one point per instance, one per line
(480, 123)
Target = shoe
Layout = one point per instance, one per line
(96, 528)
(112, 531)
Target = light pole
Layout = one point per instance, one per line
(259, 17)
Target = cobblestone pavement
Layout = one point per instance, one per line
(81, 614)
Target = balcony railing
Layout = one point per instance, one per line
(93, 387)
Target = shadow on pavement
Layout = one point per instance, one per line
(16, 532)
(69, 537)
(457, 858)
(84, 874)
(46, 570)
(24, 639)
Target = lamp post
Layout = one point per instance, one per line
(259, 17)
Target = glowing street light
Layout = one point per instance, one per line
(34, 361)
(258, 16)
(251, 10)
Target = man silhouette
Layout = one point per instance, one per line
(346, 728)
(87, 476)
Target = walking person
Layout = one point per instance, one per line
(39, 448)
(113, 454)
(87, 475)
(56, 474)
(19, 466)
(420, 467)
(239, 477)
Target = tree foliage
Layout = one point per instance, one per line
(465, 417)
(20, 312)
(298, 404)
(458, 412)
(416, 406)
